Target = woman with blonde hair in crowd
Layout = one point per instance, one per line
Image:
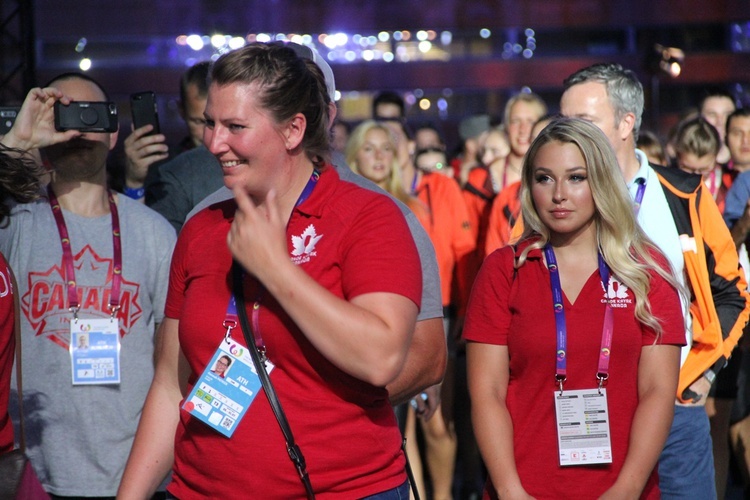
(371, 153)
(582, 317)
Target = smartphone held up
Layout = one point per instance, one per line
(144, 111)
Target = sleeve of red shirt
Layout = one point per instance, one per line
(488, 313)
(177, 272)
(8, 321)
(379, 254)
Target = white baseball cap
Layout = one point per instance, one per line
(312, 54)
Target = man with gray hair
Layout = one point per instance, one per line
(700, 249)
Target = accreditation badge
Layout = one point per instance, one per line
(583, 434)
(226, 389)
(95, 351)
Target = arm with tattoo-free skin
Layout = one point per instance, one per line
(152, 454)
(488, 372)
(658, 371)
(367, 337)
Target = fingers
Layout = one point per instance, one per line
(69, 134)
(419, 403)
(141, 135)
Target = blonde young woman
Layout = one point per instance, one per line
(583, 309)
(372, 153)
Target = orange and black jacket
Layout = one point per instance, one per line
(720, 303)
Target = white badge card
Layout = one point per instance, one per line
(95, 351)
(225, 390)
(583, 436)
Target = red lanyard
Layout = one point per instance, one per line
(70, 277)
(602, 372)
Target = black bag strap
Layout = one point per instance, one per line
(295, 454)
(409, 472)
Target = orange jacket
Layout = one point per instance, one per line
(506, 209)
(720, 304)
(447, 223)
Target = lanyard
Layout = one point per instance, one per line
(70, 277)
(413, 189)
(639, 194)
(230, 318)
(602, 373)
(711, 183)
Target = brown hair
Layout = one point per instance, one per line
(287, 85)
(19, 179)
(698, 137)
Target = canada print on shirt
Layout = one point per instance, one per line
(45, 304)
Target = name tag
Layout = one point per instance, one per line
(226, 389)
(95, 351)
(583, 434)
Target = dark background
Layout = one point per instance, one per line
(132, 46)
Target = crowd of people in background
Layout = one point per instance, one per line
(438, 301)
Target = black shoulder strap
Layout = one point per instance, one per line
(475, 191)
(291, 446)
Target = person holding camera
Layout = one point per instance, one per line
(90, 261)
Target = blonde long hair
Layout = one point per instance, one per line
(357, 139)
(623, 244)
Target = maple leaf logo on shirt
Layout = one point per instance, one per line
(616, 294)
(303, 246)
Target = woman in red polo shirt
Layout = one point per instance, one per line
(573, 334)
(332, 283)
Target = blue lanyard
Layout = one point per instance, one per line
(561, 372)
(230, 318)
(639, 194)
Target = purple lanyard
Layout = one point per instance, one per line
(413, 190)
(70, 277)
(231, 319)
(602, 373)
(639, 194)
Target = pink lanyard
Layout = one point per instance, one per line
(712, 184)
(230, 318)
(561, 374)
(68, 264)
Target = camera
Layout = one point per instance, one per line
(143, 110)
(86, 116)
(7, 118)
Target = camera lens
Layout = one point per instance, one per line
(89, 116)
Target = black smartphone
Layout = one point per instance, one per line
(8, 116)
(86, 116)
(144, 111)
